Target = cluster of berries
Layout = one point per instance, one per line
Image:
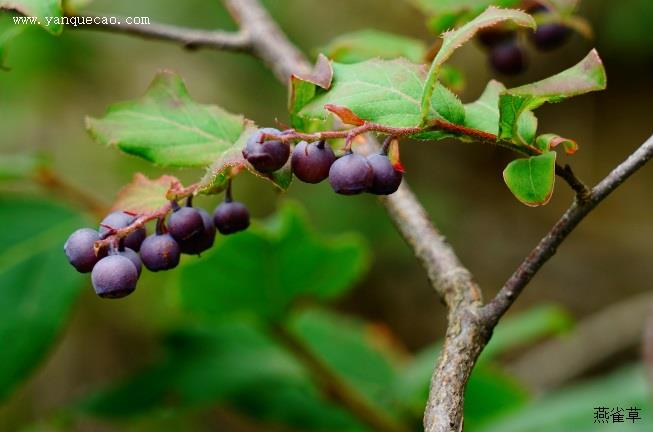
(506, 54)
(314, 162)
(116, 269)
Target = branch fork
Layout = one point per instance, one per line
(470, 323)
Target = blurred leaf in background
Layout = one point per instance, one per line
(572, 408)
(37, 286)
(264, 270)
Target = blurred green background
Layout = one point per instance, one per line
(53, 82)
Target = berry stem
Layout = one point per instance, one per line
(189, 201)
(140, 221)
(386, 144)
(227, 195)
(160, 226)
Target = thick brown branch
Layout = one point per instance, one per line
(269, 43)
(565, 225)
(189, 38)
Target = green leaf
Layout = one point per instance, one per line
(37, 285)
(40, 9)
(527, 327)
(350, 347)
(386, 92)
(261, 272)
(167, 128)
(304, 87)
(572, 408)
(531, 179)
(483, 114)
(453, 40)
(586, 76)
(367, 44)
(231, 363)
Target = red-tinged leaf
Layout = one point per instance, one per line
(303, 88)
(144, 195)
(548, 141)
(321, 75)
(345, 114)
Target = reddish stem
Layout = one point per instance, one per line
(144, 218)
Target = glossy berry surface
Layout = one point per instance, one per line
(266, 156)
(386, 178)
(184, 223)
(79, 249)
(351, 174)
(231, 217)
(311, 162)
(119, 219)
(550, 36)
(114, 276)
(203, 240)
(508, 58)
(133, 257)
(160, 252)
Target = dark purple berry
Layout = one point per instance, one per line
(311, 162)
(79, 249)
(230, 217)
(351, 174)
(266, 156)
(114, 276)
(386, 178)
(508, 58)
(550, 36)
(119, 219)
(160, 252)
(489, 37)
(184, 223)
(202, 240)
(133, 257)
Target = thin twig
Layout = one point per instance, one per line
(570, 219)
(189, 38)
